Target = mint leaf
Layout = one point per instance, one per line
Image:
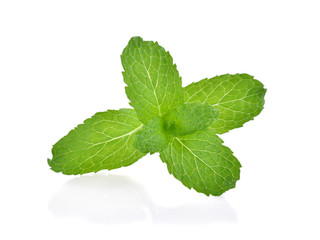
(180, 123)
(200, 161)
(152, 137)
(190, 117)
(153, 82)
(104, 141)
(238, 97)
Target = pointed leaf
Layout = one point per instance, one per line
(200, 161)
(153, 82)
(103, 141)
(238, 97)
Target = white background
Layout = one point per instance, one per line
(60, 63)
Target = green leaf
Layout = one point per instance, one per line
(152, 137)
(190, 117)
(200, 161)
(153, 82)
(103, 141)
(238, 97)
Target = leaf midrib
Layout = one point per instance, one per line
(150, 79)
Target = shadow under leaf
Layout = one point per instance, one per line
(114, 199)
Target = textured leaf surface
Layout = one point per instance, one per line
(104, 141)
(200, 161)
(152, 137)
(153, 82)
(238, 97)
(190, 117)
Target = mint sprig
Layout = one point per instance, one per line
(180, 123)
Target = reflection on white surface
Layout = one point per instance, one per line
(113, 199)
